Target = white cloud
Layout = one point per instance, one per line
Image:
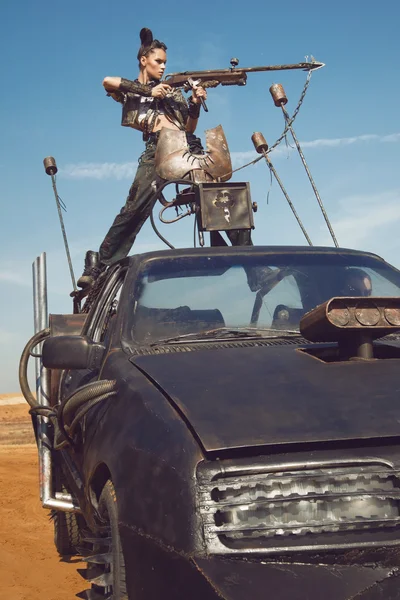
(100, 171)
(335, 142)
(365, 218)
(239, 158)
(14, 277)
(8, 336)
(127, 170)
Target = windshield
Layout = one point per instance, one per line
(187, 296)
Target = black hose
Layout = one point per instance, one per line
(84, 394)
(82, 412)
(162, 238)
(178, 218)
(23, 366)
(158, 195)
(43, 411)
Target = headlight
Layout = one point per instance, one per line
(295, 508)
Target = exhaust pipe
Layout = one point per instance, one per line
(49, 499)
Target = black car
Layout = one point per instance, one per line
(214, 451)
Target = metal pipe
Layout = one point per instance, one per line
(40, 312)
(365, 348)
(63, 506)
(40, 322)
(314, 187)
(51, 169)
(261, 146)
(275, 174)
(64, 234)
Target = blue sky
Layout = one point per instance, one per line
(55, 56)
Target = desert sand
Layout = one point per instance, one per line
(30, 568)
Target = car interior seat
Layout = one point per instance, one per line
(159, 323)
(286, 318)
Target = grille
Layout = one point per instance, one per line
(309, 508)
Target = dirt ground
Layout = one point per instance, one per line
(30, 568)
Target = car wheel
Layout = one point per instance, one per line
(66, 532)
(106, 566)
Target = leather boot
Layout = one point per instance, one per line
(93, 268)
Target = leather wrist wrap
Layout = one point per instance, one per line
(194, 109)
(135, 87)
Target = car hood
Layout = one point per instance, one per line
(253, 396)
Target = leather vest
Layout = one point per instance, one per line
(137, 110)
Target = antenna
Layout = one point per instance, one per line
(261, 147)
(51, 169)
(280, 99)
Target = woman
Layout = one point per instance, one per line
(148, 106)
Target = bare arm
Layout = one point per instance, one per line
(111, 84)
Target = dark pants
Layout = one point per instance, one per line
(138, 206)
(140, 203)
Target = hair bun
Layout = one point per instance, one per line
(146, 36)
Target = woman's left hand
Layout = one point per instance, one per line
(197, 93)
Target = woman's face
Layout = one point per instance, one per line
(154, 64)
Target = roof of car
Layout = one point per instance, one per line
(250, 250)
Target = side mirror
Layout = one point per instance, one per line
(72, 352)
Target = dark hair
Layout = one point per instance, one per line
(148, 44)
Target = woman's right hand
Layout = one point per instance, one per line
(161, 90)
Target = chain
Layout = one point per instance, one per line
(293, 117)
(288, 125)
(94, 292)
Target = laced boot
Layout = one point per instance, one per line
(93, 268)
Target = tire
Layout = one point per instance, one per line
(66, 533)
(106, 567)
(67, 525)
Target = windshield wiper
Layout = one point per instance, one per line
(222, 333)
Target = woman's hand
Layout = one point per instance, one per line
(197, 93)
(161, 90)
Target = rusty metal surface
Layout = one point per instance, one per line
(345, 316)
(66, 324)
(224, 207)
(278, 94)
(173, 159)
(50, 165)
(259, 141)
(235, 76)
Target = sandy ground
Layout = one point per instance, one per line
(30, 568)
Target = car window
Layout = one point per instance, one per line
(280, 303)
(201, 293)
(103, 313)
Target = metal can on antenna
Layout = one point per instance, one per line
(278, 94)
(50, 165)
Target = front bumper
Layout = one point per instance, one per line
(240, 580)
(155, 571)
